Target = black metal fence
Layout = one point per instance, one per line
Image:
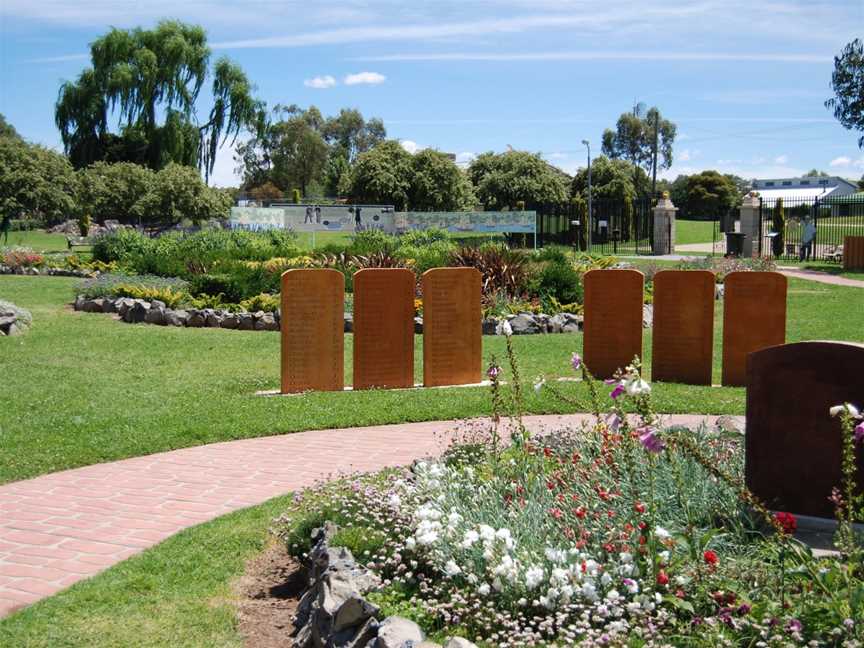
(809, 228)
(624, 227)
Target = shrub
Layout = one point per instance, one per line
(560, 281)
(168, 295)
(423, 237)
(263, 302)
(223, 284)
(504, 270)
(21, 257)
(120, 246)
(104, 285)
(372, 242)
(425, 257)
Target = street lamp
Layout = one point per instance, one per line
(590, 221)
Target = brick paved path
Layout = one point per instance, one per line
(60, 528)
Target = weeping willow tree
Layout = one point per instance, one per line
(148, 82)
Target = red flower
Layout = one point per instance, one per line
(556, 513)
(639, 507)
(580, 512)
(710, 557)
(662, 578)
(787, 521)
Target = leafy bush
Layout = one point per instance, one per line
(370, 242)
(504, 270)
(723, 266)
(423, 237)
(104, 285)
(120, 246)
(425, 257)
(558, 280)
(171, 297)
(21, 257)
(263, 302)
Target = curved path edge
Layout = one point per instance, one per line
(60, 528)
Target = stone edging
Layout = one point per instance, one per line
(48, 272)
(157, 312)
(333, 612)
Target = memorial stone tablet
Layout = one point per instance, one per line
(613, 320)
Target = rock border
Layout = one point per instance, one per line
(333, 612)
(14, 320)
(47, 272)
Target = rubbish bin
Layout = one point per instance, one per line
(734, 244)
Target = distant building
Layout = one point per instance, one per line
(806, 188)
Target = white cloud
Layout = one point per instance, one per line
(364, 78)
(841, 161)
(410, 146)
(65, 58)
(320, 82)
(684, 156)
(781, 159)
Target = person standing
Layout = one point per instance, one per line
(808, 236)
(5, 226)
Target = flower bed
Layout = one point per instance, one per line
(622, 533)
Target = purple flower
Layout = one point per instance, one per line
(649, 439)
(794, 625)
(610, 381)
(743, 609)
(576, 361)
(493, 371)
(859, 432)
(619, 389)
(613, 421)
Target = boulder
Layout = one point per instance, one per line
(231, 322)
(155, 315)
(93, 305)
(13, 329)
(137, 312)
(719, 291)
(109, 306)
(176, 317)
(267, 323)
(490, 326)
(123, 304)
(157, 303)
(79, 302)
(398, 632)
(565, 323)
(459, 642)
(525, 324)
(212, 318)
(647, 315)
(354, 611)
(196, 319)
(246, 322)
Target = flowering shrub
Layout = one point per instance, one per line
(20, 257)
(722, 266)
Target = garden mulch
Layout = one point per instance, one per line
(63, 527)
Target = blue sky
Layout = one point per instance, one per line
(745, 81)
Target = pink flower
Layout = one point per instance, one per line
(576, 361)
(859, 432)
(619, 389)
(613, 421)
(493, 371)
(649, 439)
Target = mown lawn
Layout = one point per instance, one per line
(687, 232)
(178, 593)
(38, 240)
(86, 388)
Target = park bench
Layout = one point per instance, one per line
(78, 241)
(835, 254)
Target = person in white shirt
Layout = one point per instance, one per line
(808, 236)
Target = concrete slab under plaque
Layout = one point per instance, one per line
(383, 328)
(415, 387)
(452, 334)
(792, 445)
(612, 332)
(683, 337)
(754, 317)
(313, 330)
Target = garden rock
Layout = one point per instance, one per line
(79, 302)
(266, 323)
(14, 320)
(418, 326)
(719, 291)
(93, 305)
(729, 425)
(459, 642)
(176, 317)
(137, 312)
(398, 632)
(647, 316)
(525, 324)
(196, 319)
(155, 315)
(490, 326)
(565, 323)
(212, 318)
(349, 323)
(230, 322)
(247, 322)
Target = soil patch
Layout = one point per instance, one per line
(267, 596)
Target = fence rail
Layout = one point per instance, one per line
(615, 227)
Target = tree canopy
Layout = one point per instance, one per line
(610, 180)
(178, 193)
(437, 184)
(643, 138)
(501, 180)
(114, 191)
(7, 130)
(140, 76)
(35, 182)
(381, 176)
(710, 194)
(847, 81)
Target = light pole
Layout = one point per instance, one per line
(590, 221)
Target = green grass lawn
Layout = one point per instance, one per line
(687, 232)
(88, 388)
(178, 593)
(39, 241)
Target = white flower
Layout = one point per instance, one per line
(452, 569)
(506, 329)
(636, 386)
(837, 410)
(664, 556)
(631, 585)
(470, 538)
(556, 555)
(484, 590)
(625, 557)
(534, 576)
(472, 578)
(538, 383)
(559, 576)
(427, 538)
(661, 533)
(612, 596)
(487, 532)
(505, 537)
(605, 579)
(589, 591)
(395, 501)
(410, 543)
(522, 602)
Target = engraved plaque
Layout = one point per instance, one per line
(451, 326)
(754, 317)
(383, 328)
(793, 451)
(313, 330)
(682, 342)
(613, 320)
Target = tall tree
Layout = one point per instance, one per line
(7, 130)
(114, 190)
(816, 173)
(381, 176)
(140, 75)
(437, 184)
(847, 81)
(35, 182)
(610, 180)
(502, 180)
(298, 154)
(352, 134)
(709, 195)
(643, 138)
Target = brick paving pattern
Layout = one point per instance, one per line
(60, 528)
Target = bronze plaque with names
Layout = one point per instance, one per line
(683, 334)
(313, 325)
(754, 317)
(451, 326)
(383, 328)
(793, 446)
(613, 320)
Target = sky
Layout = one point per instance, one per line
(744, 81)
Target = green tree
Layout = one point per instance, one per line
(610, 180)
(140, 75)
(7, 130)
(816, 173)
(114, 191)
(178, 193)
(351, 134)
(847, 81)
(709, 195)
(643, 138)
(298, 154)
(437, 184)
(381, 176)
(501, 180)
(678, 193)
(35, 182)
(743, 185)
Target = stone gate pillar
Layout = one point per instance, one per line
(664, 226)
(750, 225)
